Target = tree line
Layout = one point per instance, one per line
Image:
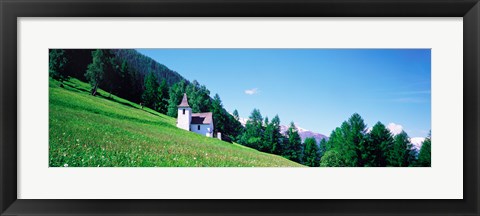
(350, 145)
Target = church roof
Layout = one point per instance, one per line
(184, 102)
(202, 118)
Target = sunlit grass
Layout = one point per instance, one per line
(108, 131)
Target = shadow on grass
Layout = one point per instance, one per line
(72, 87)
(110, 98)
(116, 101)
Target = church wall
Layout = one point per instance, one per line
(203, 128)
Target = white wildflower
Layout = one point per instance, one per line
(65, 165)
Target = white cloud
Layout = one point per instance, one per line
(251, 91)
(395, 128)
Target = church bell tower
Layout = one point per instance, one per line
(184, 114)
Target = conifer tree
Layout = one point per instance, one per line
(198, 97)
(57, 64)
(150, 94)
(356, 139)
(219, 119)
(276, 136)
(322, 147)
(175, 97)
(347, 142)
(311, 154)
(293, 147)
(266, 145)
(424, 156)
(235, 115)
(253, 134)
(163, 97)
(402, 153)
(376, 148)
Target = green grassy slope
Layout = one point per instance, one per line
(87, 131)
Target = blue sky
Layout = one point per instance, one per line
(318, 89)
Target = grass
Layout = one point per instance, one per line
(103, 131)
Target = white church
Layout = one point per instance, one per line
(201, 123)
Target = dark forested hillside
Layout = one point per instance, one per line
(143, 65)
(136, 67)
(79, 59)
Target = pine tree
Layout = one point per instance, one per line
(96, 70)
(402, 154)
(219, 118)
(233, 128)
(356, 138)
(198, 97)
(265, 146)
(175, 97)
(322, 147)
(235, 115)
(150, 94)
(163, 97)
(252, 137)
(347, 141)
(376, 149)
(293, 148)
(276, 136)
(57, 64)
(424, 157)
(311, 153)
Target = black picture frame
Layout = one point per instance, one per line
(10, 10)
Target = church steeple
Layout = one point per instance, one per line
(184, 102)
(184, 114)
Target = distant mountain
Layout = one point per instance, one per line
(417, 142)
(304, 133)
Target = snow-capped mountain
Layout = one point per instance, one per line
(417, 142)
(243, 121)
(304, 133)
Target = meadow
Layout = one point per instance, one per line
(108, 131)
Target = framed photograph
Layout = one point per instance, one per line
(246, 108)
